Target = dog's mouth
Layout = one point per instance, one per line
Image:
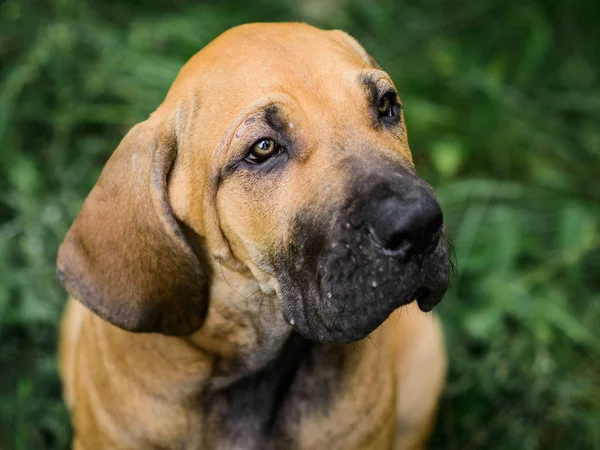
(354, 286)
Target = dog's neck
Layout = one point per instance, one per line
(244, 329)
(243, 374)
(243, 332)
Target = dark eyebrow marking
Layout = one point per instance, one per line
(274, 119)
(370, 86)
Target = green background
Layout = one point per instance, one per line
(502, 103)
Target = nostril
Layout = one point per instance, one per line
(395, 243)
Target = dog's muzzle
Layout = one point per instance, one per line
(345, 273)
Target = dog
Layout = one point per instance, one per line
(253, 267)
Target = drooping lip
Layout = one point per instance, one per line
(427, 299)
(427, 293)
(308, 304)
(321, 331)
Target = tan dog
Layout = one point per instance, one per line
(239, 245)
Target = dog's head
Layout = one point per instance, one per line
(281, 151)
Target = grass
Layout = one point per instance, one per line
(502, 102)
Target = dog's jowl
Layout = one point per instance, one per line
(253, 268)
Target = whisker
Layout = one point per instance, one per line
(373, 342)
(357, 346)
(238, 303)
(399, 313)
(455, 275)
(227, 281)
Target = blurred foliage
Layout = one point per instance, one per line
(502, 101)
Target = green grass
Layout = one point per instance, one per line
(502, 102)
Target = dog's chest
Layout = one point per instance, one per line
(309, 398)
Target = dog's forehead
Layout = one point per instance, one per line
(279, 48)
(255, 58)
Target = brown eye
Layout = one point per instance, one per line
(263, 150)
(388, 107)
(384, 106)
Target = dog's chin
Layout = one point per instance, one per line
(350, 300)
(343, 331)
(335, 324)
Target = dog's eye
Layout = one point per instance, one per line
(263, 150)
(388, 106)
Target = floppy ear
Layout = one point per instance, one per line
(126, 257)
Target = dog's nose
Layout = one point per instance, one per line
(403, 225)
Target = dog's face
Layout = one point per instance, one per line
(318, 195)
(293, 162)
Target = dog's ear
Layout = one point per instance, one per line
(126, 256)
